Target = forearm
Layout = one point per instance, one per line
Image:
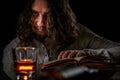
(111, 53)
(114, 54)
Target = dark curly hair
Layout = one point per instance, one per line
(62, 24)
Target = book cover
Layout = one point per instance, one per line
(98, 62)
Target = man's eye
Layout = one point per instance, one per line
(35, 13)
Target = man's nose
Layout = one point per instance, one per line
(40, 21)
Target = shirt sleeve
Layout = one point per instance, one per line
(97, 44)
(8, 63)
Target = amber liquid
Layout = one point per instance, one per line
(25, 66)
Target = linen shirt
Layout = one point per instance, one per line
(86, 40)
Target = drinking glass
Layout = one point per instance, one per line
(25, 61)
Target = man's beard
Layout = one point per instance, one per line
(39, 37)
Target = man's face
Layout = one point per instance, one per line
(40, 17)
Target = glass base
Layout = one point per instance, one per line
(28, 76)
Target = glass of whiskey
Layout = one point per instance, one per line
(25, 61)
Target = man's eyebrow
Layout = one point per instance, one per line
(37, 11)
(34, 10)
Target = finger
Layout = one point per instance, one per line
(80, 53)
(60, 55)
(66, 53)
(72, 54)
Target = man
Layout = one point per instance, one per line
(51, 26)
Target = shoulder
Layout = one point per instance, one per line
(83, 28)
(86, 32)
(11, 45)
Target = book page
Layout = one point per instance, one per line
(62, 62)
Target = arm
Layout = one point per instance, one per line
(91, 43)
(8, 63)
(103, 46)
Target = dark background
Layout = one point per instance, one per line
(100, 16)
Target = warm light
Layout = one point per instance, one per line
(25, 78)
(26, 60)
(25, 67)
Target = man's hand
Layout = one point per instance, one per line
(71, 54)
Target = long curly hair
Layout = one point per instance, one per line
(62, 27)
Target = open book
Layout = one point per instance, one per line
(98, 62)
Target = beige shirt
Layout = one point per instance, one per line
(86, 40)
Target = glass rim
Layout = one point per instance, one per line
(25, 47)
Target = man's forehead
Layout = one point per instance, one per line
(40, 5)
